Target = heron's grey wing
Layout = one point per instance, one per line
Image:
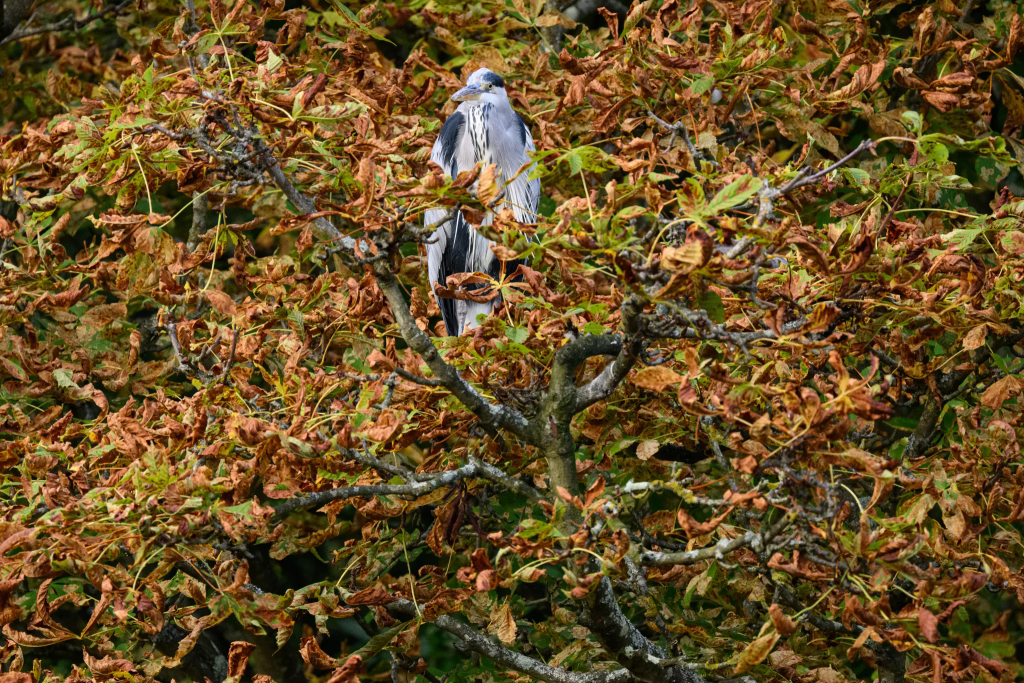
(446, 147)
(523, 193)
(445, 155)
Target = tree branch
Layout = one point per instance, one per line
(484, 646)
(498, 417)
(475, 468)
(752, 539)
(200, 204)
(768, 194)
(892, 664)
(602, 386)
(604, 618)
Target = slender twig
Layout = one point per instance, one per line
(680, 129)
(404, 374)
(718, 551)
(803, 180)
(231, 358)
(172, 332)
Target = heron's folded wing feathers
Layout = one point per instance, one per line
(439, 261)
(524, 194)
(445, 150)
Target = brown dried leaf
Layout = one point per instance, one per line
(502, 624)
(782, 623)
(928, 623)
(656, 378)
(1001, 390)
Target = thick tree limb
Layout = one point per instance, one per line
(200, 204)
(498, 417)
(602, 386)
(475, 469)
(503, 656)
(918, 442)
(604, 618)
(563, 400)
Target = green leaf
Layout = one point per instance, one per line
(240, 509)
(635, 15)
(298, 322)
(516, 335)
(712, 303)
(934, 150)
(735, 193)
(575, 162)
(63, 378)
(963, 237)
(274, 62)
(913, 119)
(701, 84)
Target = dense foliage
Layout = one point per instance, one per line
(751, 409)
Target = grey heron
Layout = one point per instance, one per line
(484, 129)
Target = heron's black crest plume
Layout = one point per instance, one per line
(494, 79)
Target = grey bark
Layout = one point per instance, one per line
(14, 12)
(505, 657)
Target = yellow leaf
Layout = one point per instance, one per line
(756, 652)
(502, 624)
(699, 583)
(919, 512)
(556, 19)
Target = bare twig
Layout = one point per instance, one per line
(768, 194)
(172, 332)
(231, 358)
(404, 374)
(679, 128)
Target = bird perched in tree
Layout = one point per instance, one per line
(484, 129)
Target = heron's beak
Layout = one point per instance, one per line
(467, 94)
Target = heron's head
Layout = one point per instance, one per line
(483, 87)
